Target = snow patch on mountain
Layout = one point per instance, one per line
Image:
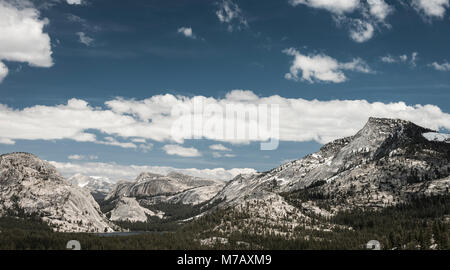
(92, 183)
(437, 137)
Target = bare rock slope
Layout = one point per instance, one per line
(29, 185)
(149, 190)
(387, 162)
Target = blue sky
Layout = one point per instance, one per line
(374, 53)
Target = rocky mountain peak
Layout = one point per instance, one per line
(378, 137)
(379, 121)
(33, 186)
(387, 156)
(179, 175)
(26, 160)
(19, 165)
(389, 127)
(147, 176)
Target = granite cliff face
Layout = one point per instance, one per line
(31, 186)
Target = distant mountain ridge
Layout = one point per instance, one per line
(92, 183)
(150, 189)
(151, 184)
(99, 187)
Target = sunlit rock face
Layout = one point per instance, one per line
(33, 186)
(387, 162)
(174, 188)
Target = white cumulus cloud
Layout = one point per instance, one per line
(431, 8)
(445, 66)
(187, 32)
(321, 68)
(379, 9)
(114, 142)
(82, 157)
(3, 71)
(230, 14)
(146, 147)
(177, 150)
(388, 59)
(7, 141)
(117, 172)
(84, 39)
(335, 6)
(220, 155)
(76, 157)
(22, 37)
(360, 17)
(75, 2)
(361, 31)
(404, 58)
(219, 147)
(414, 57)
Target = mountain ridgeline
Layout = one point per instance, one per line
(385, 163)
(391, 170)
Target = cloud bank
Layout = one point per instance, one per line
(130, 172)
(138, 120)
(177, 150)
